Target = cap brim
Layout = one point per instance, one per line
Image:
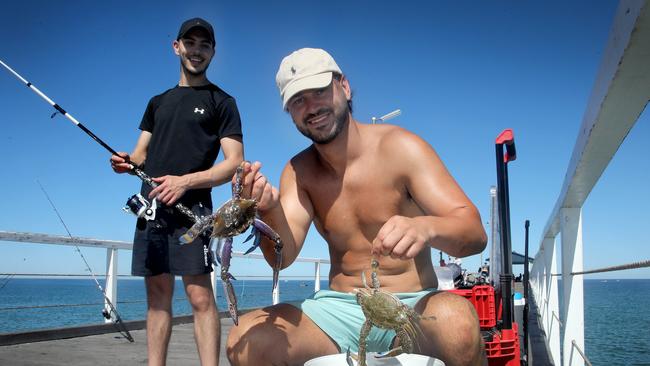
(199, 26)
(309, 82)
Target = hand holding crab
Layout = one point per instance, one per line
(384, 310)
(233, 218)
(402, 237)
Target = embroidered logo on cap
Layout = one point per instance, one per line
(197, 110)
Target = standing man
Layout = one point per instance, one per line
(182, 132)
(371, 191)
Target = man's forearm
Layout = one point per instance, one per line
(459, 235)
(218, 174)
(277, 220)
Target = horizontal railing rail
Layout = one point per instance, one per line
(618, 98)
(111, 275)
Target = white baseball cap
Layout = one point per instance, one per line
(306, 68)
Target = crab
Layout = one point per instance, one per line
(384, 310)
(234, 217)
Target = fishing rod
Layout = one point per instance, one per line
(136, 204)
(111, 314)
(6, 280)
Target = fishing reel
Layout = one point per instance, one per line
(140, 207)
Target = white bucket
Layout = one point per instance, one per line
(406, 359)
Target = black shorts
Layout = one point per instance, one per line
(157, 250)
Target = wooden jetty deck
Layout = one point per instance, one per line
(109, 349)
(100, 345)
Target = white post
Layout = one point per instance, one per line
(317, 276)
(552, 325)
(276, 294)
(213, 280)
(111, 280)
(572, 286)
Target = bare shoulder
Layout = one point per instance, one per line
(301, 166)
(304, 159)
(397, 143)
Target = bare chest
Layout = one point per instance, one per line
(358, 203)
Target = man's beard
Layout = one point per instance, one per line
(340, 120)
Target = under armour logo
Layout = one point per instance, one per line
(197, 110)
(293, 70)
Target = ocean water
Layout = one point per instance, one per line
(617, 322)
(616, 311)
(29, 304)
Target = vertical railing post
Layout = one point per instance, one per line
(213, 280)
(317, 276)
(276, 294)
(572, 286)
(111, 280)
(552, 305)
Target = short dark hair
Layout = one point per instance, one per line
(338, 76)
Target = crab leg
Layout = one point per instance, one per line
(373, 276)
(349, 356)
(256, 243)
(238, 187)
(273, 236)
(361, 357)
(202, 224)
(226, 255)
(217, 250)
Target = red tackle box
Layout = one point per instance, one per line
(482, 297)
(503, 348)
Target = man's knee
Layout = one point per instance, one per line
(258, 338)
(199, 292)
(201, 301)
(248, 341)
(454, 332)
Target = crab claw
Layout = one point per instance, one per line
(200, 226)
(230, 296)
(226, 277)
(266, 230)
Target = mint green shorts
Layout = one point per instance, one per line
(341, 318)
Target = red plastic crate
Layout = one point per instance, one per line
(503, 349)
(482, 297)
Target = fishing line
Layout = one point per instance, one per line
(113, 315)
(199, 220)
(6, 280)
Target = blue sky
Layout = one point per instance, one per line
(460, 71)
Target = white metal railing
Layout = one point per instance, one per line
(620, 94)
(112, 247)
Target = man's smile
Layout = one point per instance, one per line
(318, 120)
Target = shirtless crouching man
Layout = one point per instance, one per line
(369, 189)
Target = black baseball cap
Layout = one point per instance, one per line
(193, 23)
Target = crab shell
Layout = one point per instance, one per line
(383, 309)
(234, 217)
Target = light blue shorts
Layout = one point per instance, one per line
(341, 318)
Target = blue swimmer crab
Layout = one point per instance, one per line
(384, 310)
(231, 219)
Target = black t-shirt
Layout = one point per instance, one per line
(187, 124)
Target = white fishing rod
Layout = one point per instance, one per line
(136, 204)
(111, 313)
